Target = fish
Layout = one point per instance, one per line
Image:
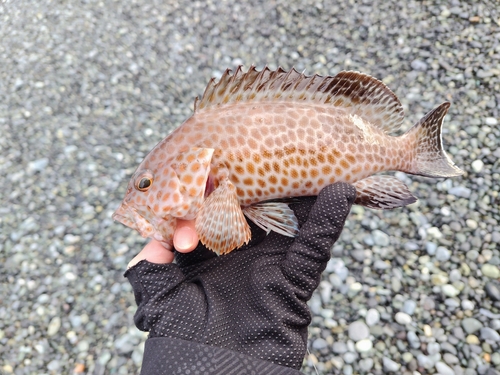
(258, 138)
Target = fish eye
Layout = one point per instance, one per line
(144, 182)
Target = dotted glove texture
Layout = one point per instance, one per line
(249, 304)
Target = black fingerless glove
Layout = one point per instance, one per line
(241, 313)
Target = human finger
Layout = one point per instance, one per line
(153, 252)
(185, 236)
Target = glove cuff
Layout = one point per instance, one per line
(165, 355)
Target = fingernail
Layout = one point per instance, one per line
(185, 239)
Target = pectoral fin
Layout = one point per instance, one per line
(273, 216)
(220, 223)
(382, 193)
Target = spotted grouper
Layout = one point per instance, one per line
(257, 138)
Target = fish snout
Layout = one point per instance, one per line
(121, 214)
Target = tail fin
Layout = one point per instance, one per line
(430, 159)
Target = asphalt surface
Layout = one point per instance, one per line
(88, 88)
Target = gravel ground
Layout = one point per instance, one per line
(88, 88)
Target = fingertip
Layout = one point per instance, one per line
(185, 236)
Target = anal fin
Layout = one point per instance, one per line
(220, 224)
(273, 216)
(382, 193)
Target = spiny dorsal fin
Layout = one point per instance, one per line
(358, 93)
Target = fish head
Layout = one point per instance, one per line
(160, 192)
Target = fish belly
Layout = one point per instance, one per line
(286, 149)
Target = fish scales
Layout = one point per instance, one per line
(261, 136)
(276, 151)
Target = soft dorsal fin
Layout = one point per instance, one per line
(358, 93)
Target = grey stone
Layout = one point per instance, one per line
(390, 365)
(492, 290)
(446, 346)
(409, 306)
(350, 357)
(450, 359)
(403, 318)
(489, 334)
(490, 271)
(413, 340)
(347, 370)
(407, 357)
(372, 317)
(442, 254)
(444, 369)
(492, 121)
(431, 248)
(433, 348)
(380, 238)
(449, 290)
(54, 326)
(418, 65)
(379, 264)
(126, 343)
(460, 191)
(471, 325)
(319, 343)
(425, 361)
(364, 346)
(358, 331)
(339, 347)
(365, 364)
(38, 165)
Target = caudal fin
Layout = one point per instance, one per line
(431, 160)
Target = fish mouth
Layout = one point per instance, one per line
(142, 220)
(123, 215)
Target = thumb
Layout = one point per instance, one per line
(185, 236)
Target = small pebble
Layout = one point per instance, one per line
(366, 364)
(492, 121)
(471, 325)
(472, 339)
(477, 166)
(442, 254)
(444, 369)
(363, 346)
(489, 334)
(358, 331)
(433, 348)
(450, 359)
(493, 291)
(54, 326)
(372, 317)
(403, 318)
(409, 307)
(339, 347)
(449, 290)
(407, 357)
(380, 238)
(390, 365)
(467, 305)
(38, 165)
(350, 357)
(319, 344)
(413, 340)
(460, 191)
(491, 271)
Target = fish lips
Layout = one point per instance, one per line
(122, 215)
(131, 218)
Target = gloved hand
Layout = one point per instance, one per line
(210, 314)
